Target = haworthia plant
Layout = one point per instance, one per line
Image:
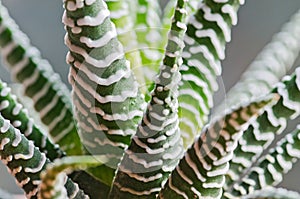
(50, 96)
(270, 65)
(147, 28)
(24, 160)
(55, 175)
(207, 33)
(105, 93)
(142, 146)
(12, 110)
(201, 172)
(156, 148)
(262, 132)
(271, 167)
(122, 15)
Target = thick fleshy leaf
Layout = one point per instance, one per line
(147, 28)
(24, 161)
(105, 92)
(208, 32)
(157, 146)
(122, 14)
(271, 167)
(49, 94)
(270, 65)
(201, 172)
(262, 132)
(12, 110)
(53, 178)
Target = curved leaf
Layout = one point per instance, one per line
(50, 96)
(271, 167)
(270, 65)
(122, 15)
(262, 132)
(147, 28)
(201, 172)
(105, 92)
(207, 33)
(24, 160)
(18, 116)
(53, 178)
(156, 148)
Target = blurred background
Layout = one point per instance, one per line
(258, 21)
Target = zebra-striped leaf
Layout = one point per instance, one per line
(50, 96)
(157, 146)
(261, 132)
(271, 167)
(201, 172)
(270, 65)
(208, 30)
(122, 14)
(12, 110)
(147, 28)
(105, 92)
(53, 178)
(24, 160)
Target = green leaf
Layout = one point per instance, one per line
(22, 158)
(269, 66)
(271, 167)
(105, 92)
(201, 172)
(50, 96)
(122, 14)
(157, 146)
(53, 178)
(12, 110)
(262, 132)
(208, 31)
(150, 44)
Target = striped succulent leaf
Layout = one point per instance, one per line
(50, 96)
(270, 65)
(200, 173)
(53, 178)
(25, 161)
(271, 167)
(207, 33)
(273, 193)
(157, 146)
(262, 132)
(105, 92)
(148, 28)
(122, 15)
(12, 110)
(168, 13)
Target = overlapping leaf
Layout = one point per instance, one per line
(157, 146)
(262, 132)
(105, 92)
(207, 33)
(50, 96)
(201, 172)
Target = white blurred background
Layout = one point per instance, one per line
(258, 21)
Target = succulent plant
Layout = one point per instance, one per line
(137, 122)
